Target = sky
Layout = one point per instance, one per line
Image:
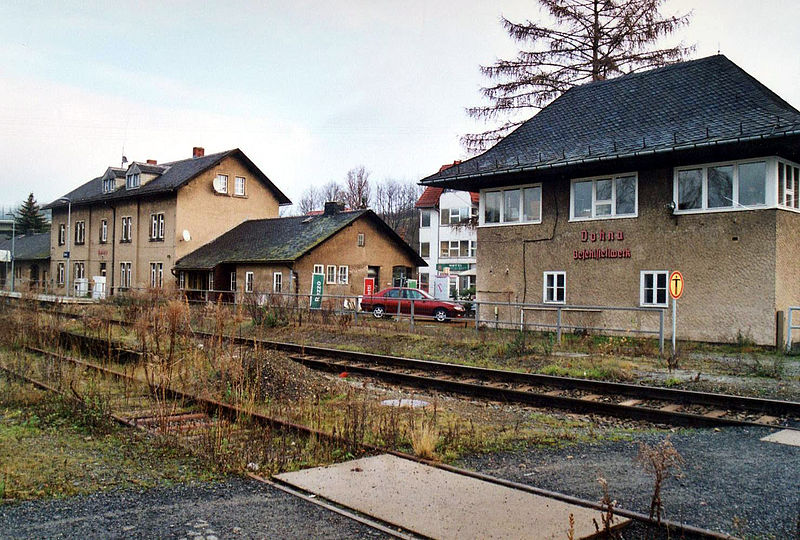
(308, 90)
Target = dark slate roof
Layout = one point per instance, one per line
(175, 174)
(280, 240)
(710, 101)
(29, 247)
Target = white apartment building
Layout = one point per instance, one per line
(447, 240)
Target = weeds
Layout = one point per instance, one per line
(662, 461)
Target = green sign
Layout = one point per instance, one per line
(317, 289)
(454, 267)
(412, 283)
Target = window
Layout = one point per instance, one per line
(127, 229)
(103, 269)
(221, 183)
(473, 247)
(156, 274)
(60, 273)
(424, 249)
(331, 277)
(601, 198)
(653, 288)
(78, 270)
(157, 226)
(132, 181)
(125, 275)
(361, 240)
(319, 269)
(108, 185)
(211, 281)
(424, 282)
(514, 205)
(555, 286)
(181, 280)
(233, 280)
(343, 274)
(453, 216)
(238, 186)
(788, 185)
(80, 232)
(62, 234)
(104, 231)
(248, 282)
(444, 249)
(737, 185)
(424, 218)
(277, 282)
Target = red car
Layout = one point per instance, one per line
(387, 301)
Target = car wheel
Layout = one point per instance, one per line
(378, 312)
(440, 315)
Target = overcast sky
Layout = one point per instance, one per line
(308, 90)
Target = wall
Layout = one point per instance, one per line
(787, 277)
(727, 260)
(207, 214)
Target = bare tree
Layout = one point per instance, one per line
(332, 191)
(357, 190)
(589, 40)
(394, 203)
(310, 201)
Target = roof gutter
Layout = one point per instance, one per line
(581, 161)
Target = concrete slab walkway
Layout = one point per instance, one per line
(441, 504)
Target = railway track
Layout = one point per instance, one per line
(640, 402)
(170, 411)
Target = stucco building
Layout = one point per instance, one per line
(280, 255)
(129, 226)
(448, 239)
(598, 197)
(31, 254)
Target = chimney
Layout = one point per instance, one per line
(332, 208)
(198, 151)
(152, 162)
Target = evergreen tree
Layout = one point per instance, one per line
(588, 40)
(29, 218)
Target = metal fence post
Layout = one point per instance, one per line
(521, 319)
(661, 332)
(789, 331)
(558, 324)
(355, 312)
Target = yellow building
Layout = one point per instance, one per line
(129, 226)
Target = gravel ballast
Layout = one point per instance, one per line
(235, 508)
(731, 482)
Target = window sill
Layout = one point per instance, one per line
(726, 209)
(156, 239)
(602, 218)
(240, 196)
(125, 241)
(510, 224)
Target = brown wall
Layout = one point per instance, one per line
(24, 282)
(787, 276)
(728, 260)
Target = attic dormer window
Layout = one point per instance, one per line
(108, 185)
(132, 181)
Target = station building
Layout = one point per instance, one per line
(598, 197)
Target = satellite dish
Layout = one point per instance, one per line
(220, 185)
(186, 235)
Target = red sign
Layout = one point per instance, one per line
(369, 286)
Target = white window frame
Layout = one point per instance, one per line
(236, 191)
(655, 273)
(422, 213)
(233, 280)
(181, 280)
(133, 181)
(60, 273)
(330, 274)
(249, 281)
(361, 240)
(502, 223)
(127, 229)
(157, 226)
(556, 274)
(789, 191)
(343, 277)
(125, 273)
(103, 231)
(473, 248)
(80, 232)
(319, 269)
(613, 200)
(422, 251)
(771, 195)
(277, 282)
(156, 274)
(62, 234)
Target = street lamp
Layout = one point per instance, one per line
(67, 233)
(13, 252)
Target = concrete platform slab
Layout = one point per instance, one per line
(442, 504)
(785, 436)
